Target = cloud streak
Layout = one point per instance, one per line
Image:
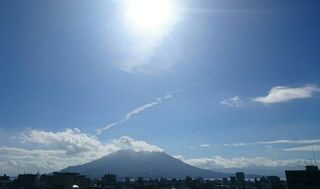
(234, 101)
(240, 162)
(138, 110)
(313, 141)
(307, 148)
(204, 145)
(280, 94)
(310, 144)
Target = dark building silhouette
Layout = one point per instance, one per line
(233, 182)
(225, 181)
(274, 182)
(64, 181)
(109, 180)
(4, 178)
(257, 183)
(304, 179)
(127, 180)
(28, 181)
(140, 181)
(5, 181)
(269, 182)
(240, 178)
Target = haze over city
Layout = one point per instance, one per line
(221, 85)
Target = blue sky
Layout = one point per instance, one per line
(219, 79)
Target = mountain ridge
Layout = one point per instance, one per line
(134, 164)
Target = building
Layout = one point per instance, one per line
(5, 181)
(64, 181)
(304, 179)
(240, 178)
(28, 181)
(109, 180)
(274, 182)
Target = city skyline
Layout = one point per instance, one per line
(218, 85)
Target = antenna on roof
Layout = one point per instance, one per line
(314, 157)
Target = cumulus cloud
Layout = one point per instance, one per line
(234, 101)
(126, 142)
(19, 160)
(283, 94)
(73, 141)
(240, 162)
(57, 150)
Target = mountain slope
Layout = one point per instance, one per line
(145, 164)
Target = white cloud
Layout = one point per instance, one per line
(126, 142)
(308, 148)
(283, 94)
(57, 150)
(275, 142)
(73, 141)
(204, 145)
(139, 110)
(283, 141)
(240, 162)
(239, 144)
(234, 101)
(70, 140)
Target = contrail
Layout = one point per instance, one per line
(156, 102)
(139, 110)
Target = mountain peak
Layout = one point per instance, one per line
(140, 164)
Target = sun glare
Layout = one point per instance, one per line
(148, 15)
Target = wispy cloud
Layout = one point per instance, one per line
(283, 141)
(308, 148)
(139, 110)
(240, 162)
(283, 94)
(204, 145)
(234, 101)
(275, 142)
(239, 144)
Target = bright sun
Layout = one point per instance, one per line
(148, 15)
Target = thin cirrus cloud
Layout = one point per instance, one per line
(239, 162)
(204, 145)
(234, 101)
(284, 94)
(313, 141)
(307, 148)
(308, 142)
